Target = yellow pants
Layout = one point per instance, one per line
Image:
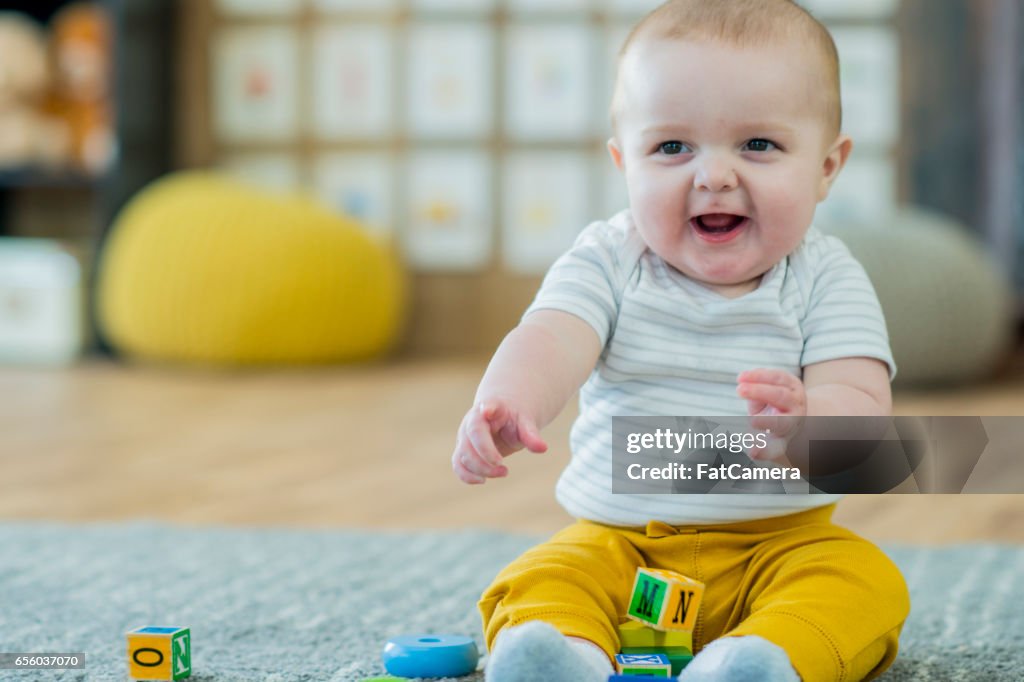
(832, 600)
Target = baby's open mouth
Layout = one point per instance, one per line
(719, 228)
(718, 223)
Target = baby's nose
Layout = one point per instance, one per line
(715, 174)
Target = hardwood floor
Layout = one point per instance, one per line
(361, 446)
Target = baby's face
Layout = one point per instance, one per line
(726, 153)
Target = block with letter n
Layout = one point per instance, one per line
(665, 600)
(159, 653)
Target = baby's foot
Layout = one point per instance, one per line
(537, 652)
(740, 659)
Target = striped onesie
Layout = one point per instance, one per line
(674, 347)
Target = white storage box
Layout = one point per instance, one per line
(42, 302)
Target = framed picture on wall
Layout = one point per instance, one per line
(255, 76)
(547, 202)
(352, 76)
(449, 210)
(450, 80)
(851, 9)
(869, 70)
(547, 5)
(633, 8)
(275, 171)
(548, 86)
(454, 5)
(352, 5)
(360, 185)
(257, 7)
(614, 194)
(614, 37)
(863, 194)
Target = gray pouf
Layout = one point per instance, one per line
(948, 308)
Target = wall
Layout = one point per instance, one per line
(470, 133)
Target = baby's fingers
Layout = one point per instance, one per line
(480, 434)
(755, 407)
(781, 397)
(528, 436)
(464, 474)
(468, 459)
(774, 450)
(511, 431)
(480, 465)
(777, 377)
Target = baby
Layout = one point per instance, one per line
(711, 295)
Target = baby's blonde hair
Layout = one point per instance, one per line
(745, 23)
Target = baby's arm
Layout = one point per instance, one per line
(856, 387)
(533, 374)
(777, 400)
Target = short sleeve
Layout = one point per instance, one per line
(844, 318)
(586, 280)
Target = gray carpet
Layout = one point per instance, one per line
(282, 605)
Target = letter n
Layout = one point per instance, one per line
(685, 598)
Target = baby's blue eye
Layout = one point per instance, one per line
(671, 148)
(759, 144)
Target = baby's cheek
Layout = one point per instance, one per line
(785, 206)
(654, 202)
(781, 194)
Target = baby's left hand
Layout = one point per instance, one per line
(776, 402)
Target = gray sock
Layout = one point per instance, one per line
(537, 652)
(740, 659)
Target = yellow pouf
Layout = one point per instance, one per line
(200, 268)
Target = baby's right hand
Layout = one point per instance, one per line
(490, 431)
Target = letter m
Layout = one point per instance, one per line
(647, 598)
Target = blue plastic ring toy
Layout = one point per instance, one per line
(430, 655)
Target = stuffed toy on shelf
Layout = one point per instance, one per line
(29, 136)
(81, 55)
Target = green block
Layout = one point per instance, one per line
(181, 654)
(667, 650)
(634, 634)
(646, 672)
(679, 661)
(648, 598)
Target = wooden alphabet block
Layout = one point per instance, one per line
(159, 653)
(678, 657)
(651, 665)
(665, 600)
(633, 635)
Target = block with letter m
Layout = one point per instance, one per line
(665, 600)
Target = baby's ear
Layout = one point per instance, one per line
(615, 152)
(834, 162)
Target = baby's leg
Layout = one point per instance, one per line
(537, 652)
(740, 659)
(576, 584)
(835, 604)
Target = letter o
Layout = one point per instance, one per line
(158, 661)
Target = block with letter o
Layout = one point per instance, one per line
(159, 653)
